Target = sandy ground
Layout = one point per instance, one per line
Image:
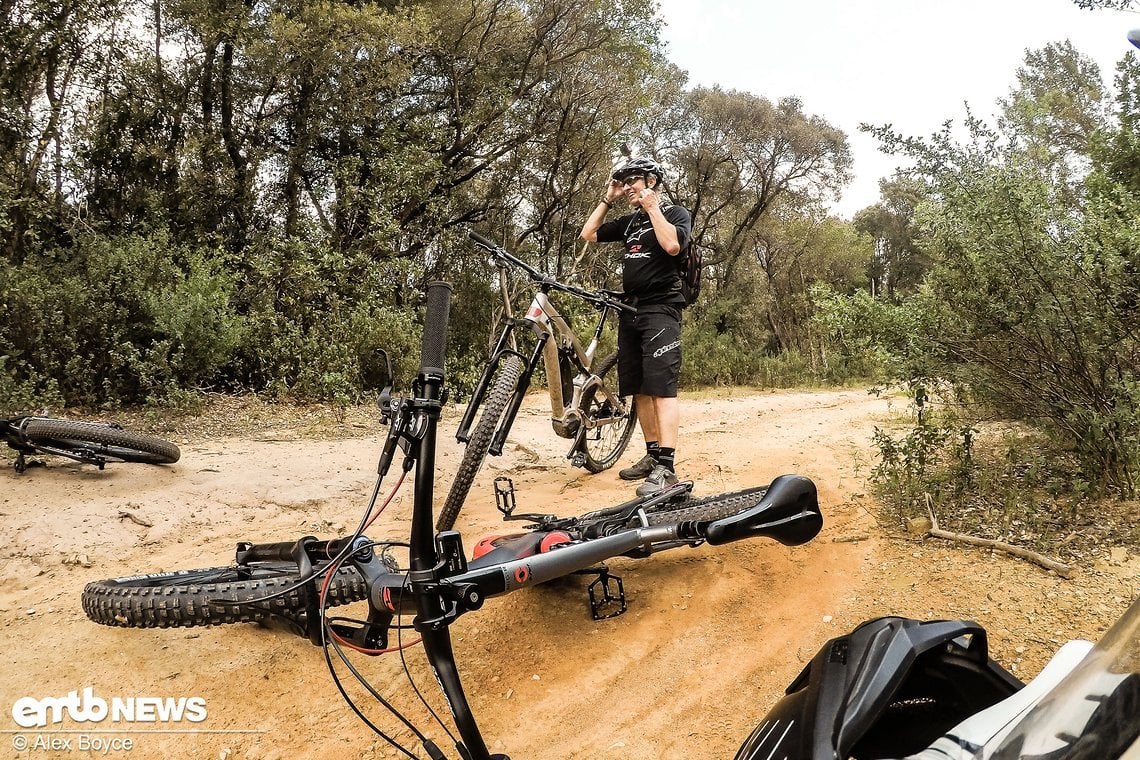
(711, 638)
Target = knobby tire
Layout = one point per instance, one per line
(185, 598)
(102, 439)
(707, 508)
(604, 453)
(494, 403)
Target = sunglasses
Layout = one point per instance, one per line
(630, 181)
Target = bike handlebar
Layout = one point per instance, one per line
(597, 298)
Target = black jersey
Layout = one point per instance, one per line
(648, 272)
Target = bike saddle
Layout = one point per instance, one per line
(788, 512)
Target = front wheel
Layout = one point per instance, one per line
(494, 404)
(87, 439)
(185, 598)
(603, 445)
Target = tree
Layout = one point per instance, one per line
(48, 50)
(1118, 5)
(1057, 110)
(798, 253)
(1030, 304)
(1119, 156)
(737, 156)
(898, 263)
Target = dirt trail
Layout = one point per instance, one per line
(711, 638)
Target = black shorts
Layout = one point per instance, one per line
(649, 351)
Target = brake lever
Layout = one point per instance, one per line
(399, 415)
(385, 399)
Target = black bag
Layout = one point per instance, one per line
(689, 262)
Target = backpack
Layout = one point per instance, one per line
(690, 263)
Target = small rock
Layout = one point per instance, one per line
(918, 526)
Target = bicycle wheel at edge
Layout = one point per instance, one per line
(494, 403)
(707, 508)
(603, 446)
(185, 598)
(102, 439)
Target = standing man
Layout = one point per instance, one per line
(649, 342)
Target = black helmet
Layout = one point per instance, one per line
(639, 166)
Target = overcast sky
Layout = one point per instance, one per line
(910, 63)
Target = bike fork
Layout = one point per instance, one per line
(464, 432)
(512, 409)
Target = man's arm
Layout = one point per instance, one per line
(590, 228)
(663, 229)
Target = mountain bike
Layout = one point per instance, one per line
(246, 590)
(89, 442)
(584, 402)
(298, 582)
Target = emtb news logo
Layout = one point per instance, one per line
(86, 707)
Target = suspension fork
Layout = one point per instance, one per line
(432, 619)
(506, 339)
(512, 410)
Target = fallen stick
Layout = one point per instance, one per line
(1060, 568)
(135, 518)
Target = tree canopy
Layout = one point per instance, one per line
(251, 194)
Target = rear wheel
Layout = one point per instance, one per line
(494, 403)
(707, 508)
(185, 598)
(603, 445)
(100, 439)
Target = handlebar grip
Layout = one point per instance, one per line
(435, 328)
(480, 240)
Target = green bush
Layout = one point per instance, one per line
(999, 480)
(116, 320)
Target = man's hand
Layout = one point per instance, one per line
(649, 200)
(613, 190)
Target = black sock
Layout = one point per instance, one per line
(651, 448)
(665, 457)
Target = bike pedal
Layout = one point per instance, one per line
(505, 495)
(604, 603)
(578, 459)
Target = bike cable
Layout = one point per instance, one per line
(416, 689)
(329, 638)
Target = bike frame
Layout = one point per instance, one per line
(546, 322)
